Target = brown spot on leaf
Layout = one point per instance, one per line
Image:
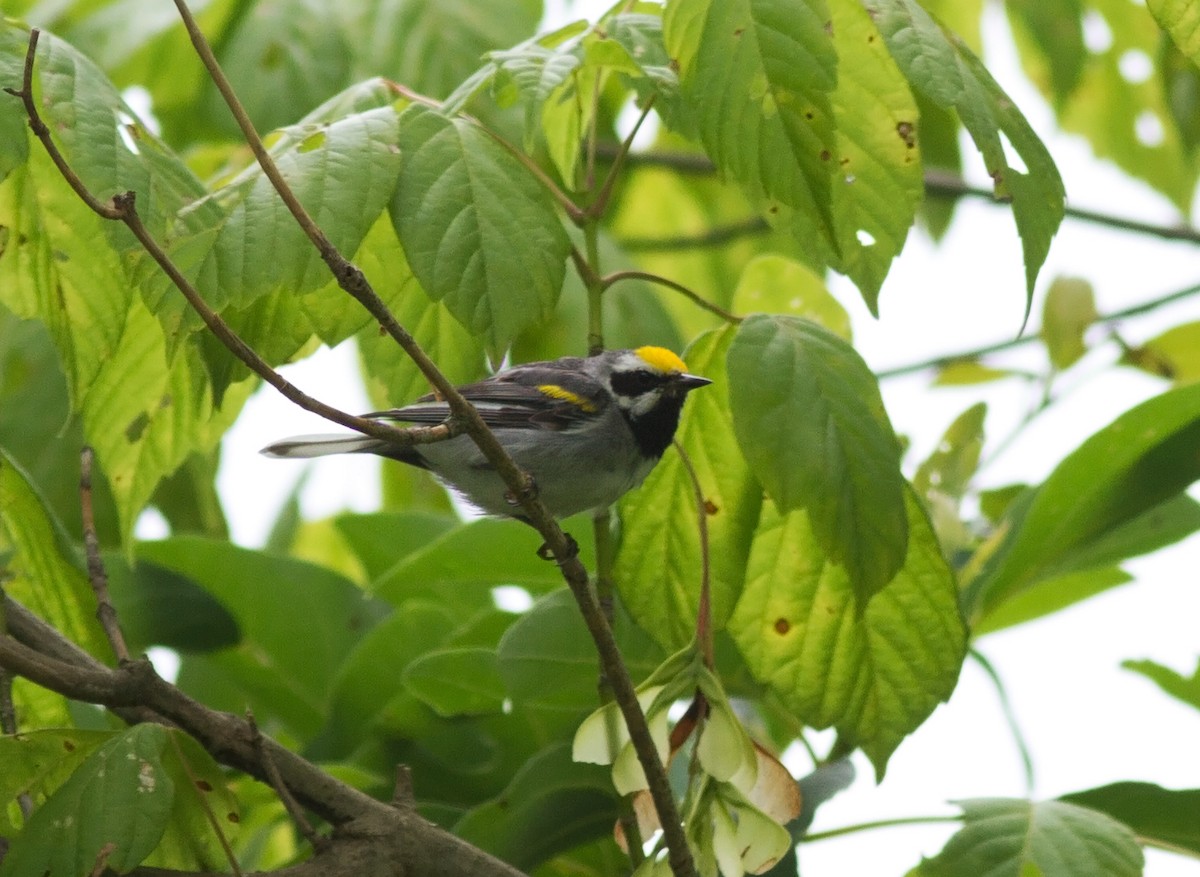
(233, 817)
(737, 32)
(782, 626)
(711, 508)
(204, 785)
(68, 745)
(826, 155)
(908, 133)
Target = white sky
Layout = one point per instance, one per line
(1087, 721)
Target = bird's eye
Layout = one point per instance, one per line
(635, 383)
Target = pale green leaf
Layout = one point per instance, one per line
(659, 561)
(44, 571)
(877, 162)
(874, 672)
(480, 233)
(1069, 310)
(757, 77)
(937, 63)
(1174, 354)
(1057, 31)
(809, 418)
(951, 466)
(776, 284)
(1047, 838)
(36, 762)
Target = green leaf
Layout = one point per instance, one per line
(874, 672)
(1069, 310)
(1173, 683)
(551, 805)
(476, 556)
(1170, 816)
(547, 659)
(1050, 596)
(1181, 21)
(279, 673)
(160, 607)
(43, 571)
(38, 762)
(1143, 458)
(369, 679)
(941, 66)
(658, 564)
(878, 182)
(342, 171)
(480, 233)
(456, 682)
(776, 284)
(1174, 354)
(758, 78)
(951, 466)
(1050, 838)
(965, 372)
(379, 540)
(1057, 30)
(202, 794)
(113, 810)
(809, 418)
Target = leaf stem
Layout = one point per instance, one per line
(879, 823)
(688, 293)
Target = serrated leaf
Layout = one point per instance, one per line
(878, 181)
(113, 810)
(776, 284)
(658, 564)
(757, 78)
(1171, 816)
(1069, 310)
(1142, 459)
(874, 672)
(809, 418)
(456, 682)
(1050, 838)
(937, 63)
(343, 172)
(479, 232)
(43, 570)
(1173, 683)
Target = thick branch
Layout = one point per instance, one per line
(41, 654)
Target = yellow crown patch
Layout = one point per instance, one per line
(661, 359)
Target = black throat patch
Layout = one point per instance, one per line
(654, 430)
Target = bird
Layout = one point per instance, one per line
(586, 429)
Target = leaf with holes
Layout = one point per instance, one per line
(809, 418)
(112, 811)
(874, 673)
(941, 66)
(480, 233)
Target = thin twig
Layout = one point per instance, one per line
(281, 789)
(939, 362)
(596, 209)
(939, 183)
(213, 822)
(691, 295)
(97, 575)
(715, 236)
(704, 628)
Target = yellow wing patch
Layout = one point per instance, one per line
(554, 391)
(661, 359)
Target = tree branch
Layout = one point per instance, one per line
(41, 654)
(938, 362)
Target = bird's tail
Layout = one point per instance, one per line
(304, 446)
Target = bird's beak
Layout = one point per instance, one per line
(686, 382)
